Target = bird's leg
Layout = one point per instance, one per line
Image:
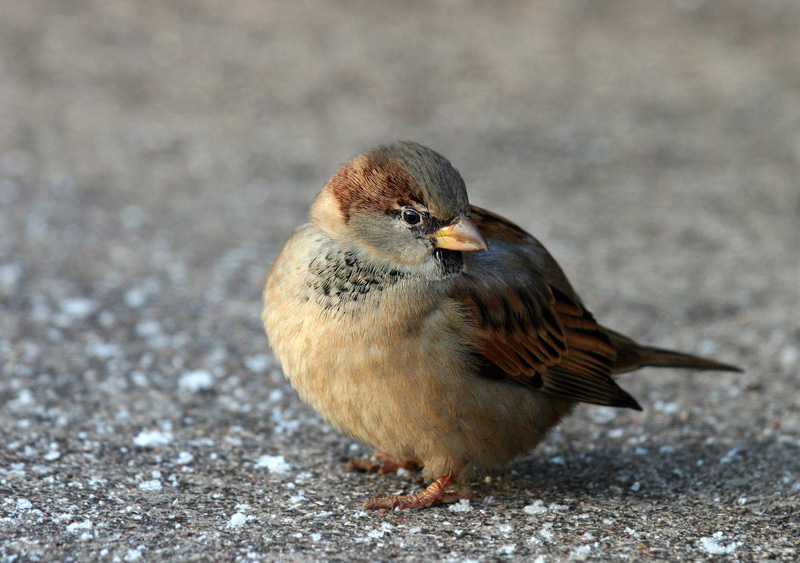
(383, 464)
(434, 493)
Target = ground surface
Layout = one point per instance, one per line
(153, 156)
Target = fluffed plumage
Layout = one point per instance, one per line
(391, 321)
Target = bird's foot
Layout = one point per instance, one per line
(436, 492)
(382, 464)
(450, 497)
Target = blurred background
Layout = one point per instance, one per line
(169, 148)
(154, 156)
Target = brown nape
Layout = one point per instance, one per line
(367, 183)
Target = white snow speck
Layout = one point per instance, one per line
(507, 549)
(296, 500)
(273, 463)
(135, 298)
(152, 438)
(713, 546)
(10, 274)
(184, 458)
(636, 486)
(789, 356)
(731, 455)
(148, 329)
(580, 553)
(538, 507)
(52, 455)
(106, 319)
(238, 520)
(667, 407)
(461, 506)
(316, 537)
(78, 307)
(25, 398)
(558, 460)
(104, 350)
(602, 416)
(258, 363)
(78, 527)
(285, 421)
(133, 555)
(547, 531)
(152, 485)
(24, 504)
(377, 534)
(195, 381)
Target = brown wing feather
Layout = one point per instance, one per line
(528, 330)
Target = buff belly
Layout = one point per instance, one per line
(427, 403)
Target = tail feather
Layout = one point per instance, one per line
(631, 356)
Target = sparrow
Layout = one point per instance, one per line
(436, 331)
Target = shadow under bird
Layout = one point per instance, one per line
(438, 332)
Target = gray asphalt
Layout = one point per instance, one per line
(153, 157)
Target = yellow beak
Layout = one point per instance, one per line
(462, 235)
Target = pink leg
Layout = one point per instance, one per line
(424, 499)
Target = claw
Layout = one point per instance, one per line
(356, 501)
(424, 499)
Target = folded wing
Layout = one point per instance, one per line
(529, 325)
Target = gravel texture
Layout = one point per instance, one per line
(154, 155)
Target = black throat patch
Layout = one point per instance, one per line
(340, 277)
(450, 262)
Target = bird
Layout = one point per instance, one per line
(438, 332)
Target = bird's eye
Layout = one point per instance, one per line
(411, 216)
